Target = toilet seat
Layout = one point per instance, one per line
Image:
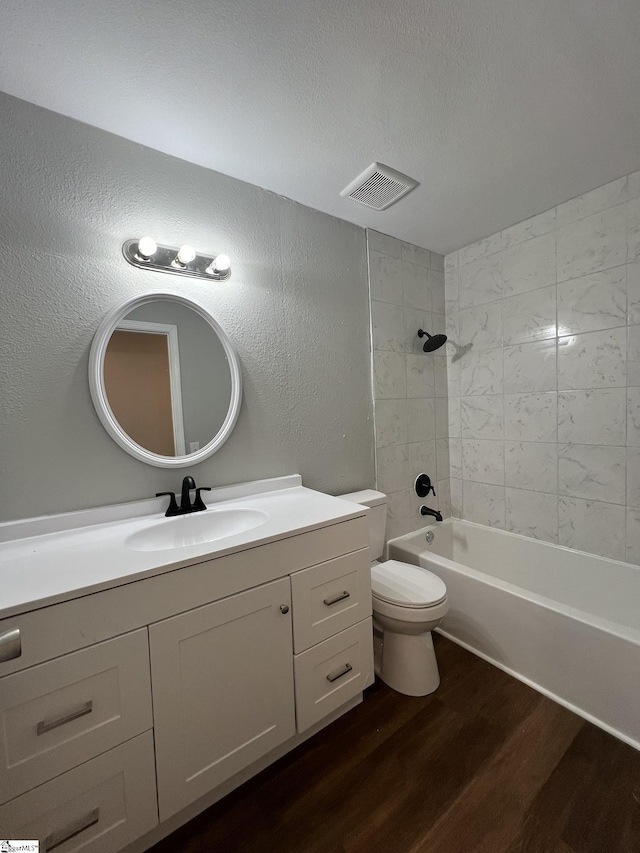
(403, 585)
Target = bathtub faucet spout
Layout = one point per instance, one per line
(425, 510)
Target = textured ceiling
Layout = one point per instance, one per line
(500, 108)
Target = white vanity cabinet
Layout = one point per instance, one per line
(126, 711)
(98, 807)
(332, 630)
(223, 690)
(77, 767)
(58, 714)
(223, 674)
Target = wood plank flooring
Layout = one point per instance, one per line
(484, 765)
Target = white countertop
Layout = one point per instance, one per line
(51, 559)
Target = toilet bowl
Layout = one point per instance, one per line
(408, 603)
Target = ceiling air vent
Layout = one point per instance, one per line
(379, 187)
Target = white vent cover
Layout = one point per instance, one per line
(379, 186)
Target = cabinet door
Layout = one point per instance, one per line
(222, 683)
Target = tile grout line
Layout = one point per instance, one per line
(626, 419)
(555, 233)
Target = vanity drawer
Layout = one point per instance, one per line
(99, 807)
(330, 597)
(331, 673)
(61, 713)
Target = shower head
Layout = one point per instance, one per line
(433, 342)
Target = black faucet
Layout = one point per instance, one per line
(425, 510)
(185, 499)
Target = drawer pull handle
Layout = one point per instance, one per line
(336, 598)
(71, 830)
(336, 675)
(46, 726)
(10, 645)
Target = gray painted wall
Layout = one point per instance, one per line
(296, 309)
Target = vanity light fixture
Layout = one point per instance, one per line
(146, 254)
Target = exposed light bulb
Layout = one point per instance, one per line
(219, 267)
(185, 255)
(147, 247)
(222, 263)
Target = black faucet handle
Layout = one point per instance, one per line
(172, 509)
(423, 486)
(198, 503)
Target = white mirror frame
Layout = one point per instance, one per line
(99, 394)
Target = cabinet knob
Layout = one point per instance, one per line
(284, 608)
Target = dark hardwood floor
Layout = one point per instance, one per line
(483, 765)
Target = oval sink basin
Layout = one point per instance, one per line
(196, 529)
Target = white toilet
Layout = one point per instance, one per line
(408, 603)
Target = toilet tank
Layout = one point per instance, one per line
(376, 518)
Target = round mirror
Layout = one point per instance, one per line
(165, 380)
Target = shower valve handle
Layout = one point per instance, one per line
(423, 485)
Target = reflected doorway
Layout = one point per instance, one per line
(142, 381)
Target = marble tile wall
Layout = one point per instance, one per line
(409, 386)
(543, 366)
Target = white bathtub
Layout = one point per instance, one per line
(562, 621)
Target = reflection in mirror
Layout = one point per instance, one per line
(167, 378)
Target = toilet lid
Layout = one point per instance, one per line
(408, 586)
